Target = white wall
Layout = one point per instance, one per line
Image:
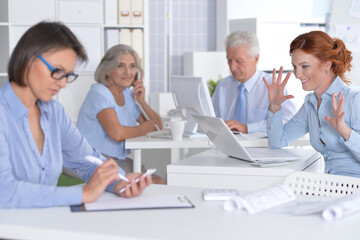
(275, 10)
(209, 65)
(341, 18)
(291, 10)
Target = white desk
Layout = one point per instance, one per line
(136, 144)
(213, 169)
(205, 221)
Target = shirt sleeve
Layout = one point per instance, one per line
(353, 142)
(133, 106)
(215, 100)
(256, 127)
(280, 135)
(75, 148)
(98, 100)
(288, 111)
(21, 194)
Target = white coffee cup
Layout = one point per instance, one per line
(166, 124)
(177, 129)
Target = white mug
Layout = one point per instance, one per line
(177, 129)
(166, 124)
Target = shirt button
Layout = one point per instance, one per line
(43, 168)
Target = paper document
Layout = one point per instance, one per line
(280, 199)
(342, 208)
(114, 202)
(261, 200)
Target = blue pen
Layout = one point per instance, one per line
(149, 171)
(98, 161)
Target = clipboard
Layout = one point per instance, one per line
(112, 202)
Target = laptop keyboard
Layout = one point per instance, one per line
(165, 133)
(271, 154)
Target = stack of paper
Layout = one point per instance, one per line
(280, 199)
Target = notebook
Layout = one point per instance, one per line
(223, 138)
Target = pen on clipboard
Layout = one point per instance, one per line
(148, 172)
(98, 161)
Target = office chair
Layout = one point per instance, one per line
(320, 184)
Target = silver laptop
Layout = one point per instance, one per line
(225, 140)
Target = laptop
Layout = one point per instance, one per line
(225, 140)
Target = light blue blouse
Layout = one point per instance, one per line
(225, 97)
(28, 179)
(99, 98)
(341, 157)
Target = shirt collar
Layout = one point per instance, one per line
(14, 103)
(18, 109)
(335, 87)
(249, 84)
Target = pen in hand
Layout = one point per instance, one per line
(98, 161)
(148, 172)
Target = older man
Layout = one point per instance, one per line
(241, 99)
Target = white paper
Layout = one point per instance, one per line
(280, 199)
(114, 202)
(261, 200)
(329, 208)
(302, 207)
(342, 208)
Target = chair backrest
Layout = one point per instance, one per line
(320, 184)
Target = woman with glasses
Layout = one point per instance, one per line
(36, 136)
(112, 107)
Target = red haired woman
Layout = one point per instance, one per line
(330, 113)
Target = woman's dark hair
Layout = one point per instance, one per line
(41, 38)
(324, 48)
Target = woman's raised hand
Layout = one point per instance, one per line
(337, 121)
(276, 90)
(139, 89)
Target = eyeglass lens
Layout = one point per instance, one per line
(59, 74)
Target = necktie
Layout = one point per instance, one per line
(240, 110)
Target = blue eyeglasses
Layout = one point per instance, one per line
(59, 74)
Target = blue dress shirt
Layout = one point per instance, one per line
(225, 97)
(28, 179)
(341, 157)
(99, 98)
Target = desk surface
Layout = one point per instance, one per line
(213, 169)
(215, 162)
(144, 142)
(206, 221)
